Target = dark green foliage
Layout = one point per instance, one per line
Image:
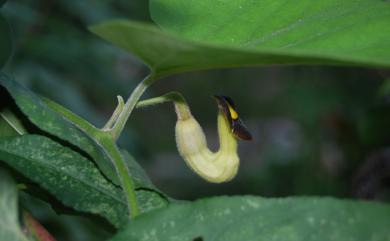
(70, 177)
(66, 174)
(50, 121)
(58, 121)
(255, 218)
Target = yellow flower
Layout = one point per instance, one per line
(216, 167)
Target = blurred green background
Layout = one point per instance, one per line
(318, 130)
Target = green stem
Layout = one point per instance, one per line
(111, 132)
(129, 106)
(181, 107)
(168, 97)
(122, 171)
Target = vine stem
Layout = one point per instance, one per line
(111, 132)
(123, 173)
(131, 102)
(114, 127)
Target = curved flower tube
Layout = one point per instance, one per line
(217, 167)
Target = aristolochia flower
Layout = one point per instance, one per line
(220, 166)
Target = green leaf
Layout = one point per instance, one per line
(47, 118)
(71, 178)
(2, 2)
(210, 34)
(57, 120)
(254, 218)
(9, 228)
(5, 41)
(350, 30)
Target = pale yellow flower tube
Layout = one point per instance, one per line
(217, 167)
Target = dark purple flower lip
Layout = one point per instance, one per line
(228, 108)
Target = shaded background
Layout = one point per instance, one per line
(318, 130)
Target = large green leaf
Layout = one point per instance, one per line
(71, 178)
(166, 54)
(9, 225)
(57, 120)
(209, 34)
(254, 218)
(49, 120)
(349, 29)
